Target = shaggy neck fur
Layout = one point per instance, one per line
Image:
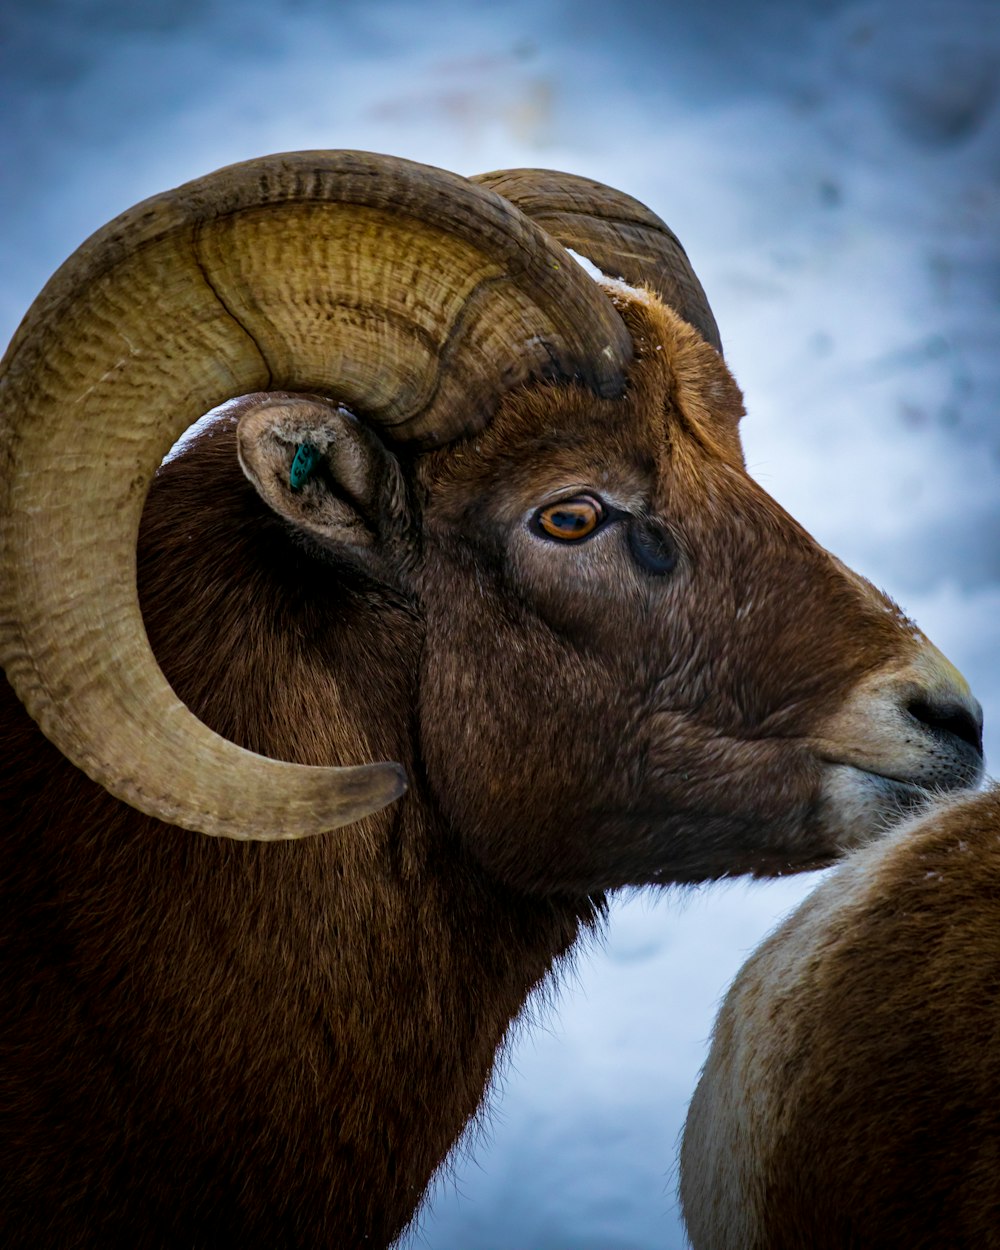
(227, 1038)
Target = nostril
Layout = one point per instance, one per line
(954, 719)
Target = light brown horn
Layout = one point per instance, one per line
(409, 294)
(621, 236)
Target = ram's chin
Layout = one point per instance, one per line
(858, 806)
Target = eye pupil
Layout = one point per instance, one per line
(570, 520)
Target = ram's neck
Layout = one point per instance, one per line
(301, 1029)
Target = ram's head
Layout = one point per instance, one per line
(633, 665)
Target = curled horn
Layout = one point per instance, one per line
(614, 231)
(409, 294)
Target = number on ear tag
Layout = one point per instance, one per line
(306, 459)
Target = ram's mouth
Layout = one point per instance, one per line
(965, 773)
(907, 794)
(861, 804)
(888, 781)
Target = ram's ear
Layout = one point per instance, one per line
(703, 388)
(327, 475)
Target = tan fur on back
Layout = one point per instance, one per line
(852, 1098)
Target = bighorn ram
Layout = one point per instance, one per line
(852, 1094)
(523, 565)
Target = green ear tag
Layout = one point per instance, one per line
(306, 459)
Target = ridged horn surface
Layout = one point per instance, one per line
(407, 293)
(621, 236)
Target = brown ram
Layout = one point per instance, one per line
(852, 1094)
(527, 568)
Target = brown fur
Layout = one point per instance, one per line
(213, 1043)
(852, 1098)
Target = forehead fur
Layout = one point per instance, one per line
(681, 402)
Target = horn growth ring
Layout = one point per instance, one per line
(412, 295)
(620, 235)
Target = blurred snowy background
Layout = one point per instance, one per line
(833, 169)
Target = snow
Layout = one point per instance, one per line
(833, 169)
(587, 266)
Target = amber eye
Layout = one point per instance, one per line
(571, 519)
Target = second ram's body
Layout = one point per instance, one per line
(852, 1093)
